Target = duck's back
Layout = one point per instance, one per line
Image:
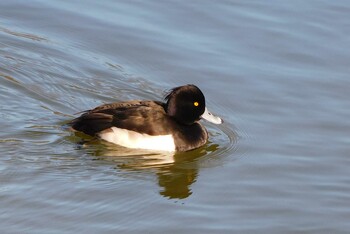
(138, 116)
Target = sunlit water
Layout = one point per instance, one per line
(277, 72)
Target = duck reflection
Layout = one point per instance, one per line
(176, 172)
(176, 182)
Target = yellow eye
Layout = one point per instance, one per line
(196, 104)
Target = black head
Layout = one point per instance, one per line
(185, 103)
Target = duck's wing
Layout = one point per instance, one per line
(140, 116)
(129, 105)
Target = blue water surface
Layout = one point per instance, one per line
(275, 71)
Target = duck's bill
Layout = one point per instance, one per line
(211, 118)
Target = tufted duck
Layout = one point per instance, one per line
(170, 126)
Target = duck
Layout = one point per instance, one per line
(170, 125)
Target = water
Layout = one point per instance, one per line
(275, 71)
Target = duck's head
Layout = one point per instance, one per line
(186, 104)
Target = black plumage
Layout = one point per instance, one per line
(177, 116)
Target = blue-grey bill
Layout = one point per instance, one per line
(211, 118)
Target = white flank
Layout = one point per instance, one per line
(132, 139)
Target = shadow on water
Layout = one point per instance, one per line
(175, 172)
